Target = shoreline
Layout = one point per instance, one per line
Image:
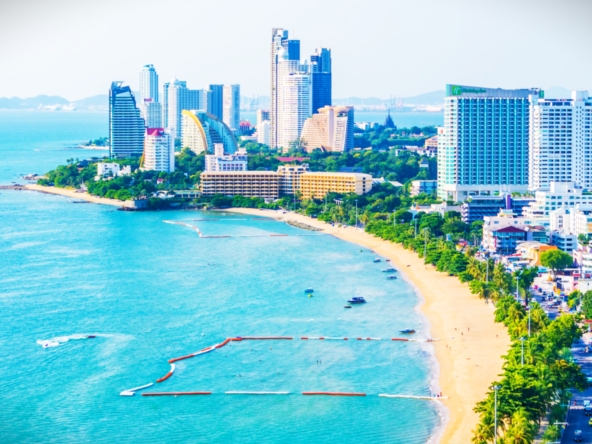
(74, 195)
(470, 344)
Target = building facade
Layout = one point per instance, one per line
(316, 185)
(320, 63)
(423, 186)
(560, 145)
(226, 162)
(483, 145)
(152, 113)
(180, 98)
(216, 105)
(477, 207)
(159, 151)
(559, 195)
(290, 178)
(263, 130)
(126, 125)
(264, 184)
(201, 131)
(148, 84)
(231, 106)
(332, 129)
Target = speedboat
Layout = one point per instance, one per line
(91, 336)
(357, 300)
(377, 260)
(407, 331)
(309, 290)
(392, 276)
(388, 270)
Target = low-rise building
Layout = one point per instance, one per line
(423, 186)
(564, 241)
(559, 195)
(318, 184)
(231, 162)
(441, 209)
(479, 207)
(263, 184)
(431, 143)
(105, 169)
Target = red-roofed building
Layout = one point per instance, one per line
(503, 240)
(245, 127)
(293, 159)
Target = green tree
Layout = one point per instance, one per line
(403, 216)
(556, 260)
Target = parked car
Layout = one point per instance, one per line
(578, 436)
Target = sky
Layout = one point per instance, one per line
(380, 48)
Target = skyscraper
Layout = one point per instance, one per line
(159, 152)
(231, 106)
(560, 142)
(320, 63)
(152, 113)
(126, 125)
(216, 105)
(291, 48)
(180, 98)
(148, 84)
(483, 146)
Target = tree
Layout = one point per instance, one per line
(403, 216)
(556, 260)
(583, 239)
(522, 430)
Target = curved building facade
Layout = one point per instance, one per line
(202, 130)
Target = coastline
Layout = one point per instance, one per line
(470, 344)
(74, 195)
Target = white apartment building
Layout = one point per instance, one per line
(107, 169)
(152, 113)
(332, 129)
(263, 130)
(159, 151)
(178, 98)
(231, 162)
(148, 84)
(559, 195)
(560, 141)
(262, 116)
(231, 106)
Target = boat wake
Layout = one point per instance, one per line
(56, 342)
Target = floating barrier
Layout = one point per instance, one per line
(168, 375)
(333, 394)
(175, 393)
(132, 392)
(426, 398)
(255, 393)
(265, 338)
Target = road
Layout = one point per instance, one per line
(576, 419)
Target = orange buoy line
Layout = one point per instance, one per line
(168, 375)
(175, 393)
(264, 338)
(333, 394)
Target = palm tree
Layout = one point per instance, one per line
(522, 429)
(474, 268)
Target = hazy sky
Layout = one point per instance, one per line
(75, 48)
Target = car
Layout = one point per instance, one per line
(590, 422)
(588, 408)
(578, 436)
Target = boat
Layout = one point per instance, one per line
(309, 290)
(392, 276)
(347, 306)
(357, 300)
(388, 270)
(377, 260)
(91, 336)
(387, 260)
(407, 331)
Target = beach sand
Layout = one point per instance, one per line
(470, 344)
(73, 194)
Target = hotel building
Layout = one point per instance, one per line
(290, 178)
(318, 184)
(230, 162)
(560, 141)
(201, 131)
(159, 152)
(264, 184)
(126, 125)
(483, 145)
(332, 129)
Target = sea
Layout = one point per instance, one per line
(95, 301)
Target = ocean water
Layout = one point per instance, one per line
(150, 291)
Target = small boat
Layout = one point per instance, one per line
(377, 260)
(407, 331)
(387, 260)
(90, 336)
(357, 300)
(392, 276)
(347, 306)
(309, 290)
(388, 270)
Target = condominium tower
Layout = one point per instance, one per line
(231, 106)
(320, 63)
(148, 83)
(126, 125)
(179, 98)
(560, 141)
(159, 151)
(216, 104)
(483, 145)
(331, 129)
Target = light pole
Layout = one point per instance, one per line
(522, 358)
(495, 389)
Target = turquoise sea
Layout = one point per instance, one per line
(150, 291)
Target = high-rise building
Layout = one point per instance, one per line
(263, 132)
(159, 151)
(180, 98)
(560, 142)
(332, 129)
(126, 125)
(262, 116)
(483, 145)
(148, 84)
(152, 113)
(231, 106)
(291, 49)
(201, 131)
(216, 104)
(320, 63)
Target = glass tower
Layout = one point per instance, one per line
(126, 125)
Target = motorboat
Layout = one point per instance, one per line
(392, 276)
(309, 290)
(407, 331)
(91, 336)
(388, 270)
(357, 300)
(377, 260)
(347, 306)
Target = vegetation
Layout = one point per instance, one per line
(556, 260)
(385, 137)
(101, 141)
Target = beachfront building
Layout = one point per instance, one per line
(560, 146)
(558, 195)
(159, 151)
(126, 125)
(332, 129)
(483, 145)
(108, 170)
(202, 130)
(477, 207)
(318, 184)
(229, 162)
(231, 106)
(264, 184)
(290, 178)
(423, 186)
(431, 143)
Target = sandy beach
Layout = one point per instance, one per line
(470, 344)
(75, 195)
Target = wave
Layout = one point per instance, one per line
(56, 342)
